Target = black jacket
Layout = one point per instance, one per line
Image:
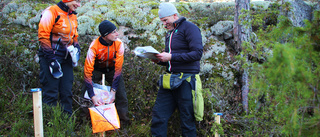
(185, 46)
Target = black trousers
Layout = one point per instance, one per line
(55, 90)
(121, 100)
(166, 103)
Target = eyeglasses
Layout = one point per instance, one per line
(115, 31)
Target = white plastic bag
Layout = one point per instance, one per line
(102, 92)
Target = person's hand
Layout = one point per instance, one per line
(164, 56)
(55, 69)
(112, 95)
(95, 101)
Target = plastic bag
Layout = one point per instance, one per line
(102, 92)
(104, 118)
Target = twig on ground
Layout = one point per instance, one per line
(14, 95)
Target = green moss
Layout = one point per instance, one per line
(217, 88)
(203, 20)
(149, 19)
(98, 18)
(22, 1)
(182, 9)
(13, 14)
(99, 6)
(41, 6)
(154, 12)
(116, 4)
(153, 4)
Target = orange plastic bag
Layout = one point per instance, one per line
(104, 118)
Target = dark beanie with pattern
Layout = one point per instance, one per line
(106, 27)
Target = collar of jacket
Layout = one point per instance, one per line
(103, 42)
(65, 8)
(178, 22)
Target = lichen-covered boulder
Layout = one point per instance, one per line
(298, 13)
(221, 27)
(216, 60)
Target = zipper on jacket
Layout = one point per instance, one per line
(108, 59)
(170, 41)
(68, 36)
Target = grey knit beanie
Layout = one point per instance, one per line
(167, 9)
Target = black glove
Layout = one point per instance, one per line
(79, 49)
(55, 69)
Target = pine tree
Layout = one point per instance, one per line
(288, 81)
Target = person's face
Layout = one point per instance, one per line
(168, 21)
(73, 5)
(113, 36)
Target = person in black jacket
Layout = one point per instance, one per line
(183, 51)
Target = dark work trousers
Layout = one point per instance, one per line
(57, 89)
(166, 103)
(121, 100)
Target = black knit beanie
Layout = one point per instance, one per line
(106, 27)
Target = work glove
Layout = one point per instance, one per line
(75, 54)
(55, 69)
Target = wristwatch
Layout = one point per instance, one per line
(113, 90)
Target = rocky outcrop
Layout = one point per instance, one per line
(223, 30)
(299, 12)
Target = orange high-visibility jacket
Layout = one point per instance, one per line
(57, 23)
(102, 57)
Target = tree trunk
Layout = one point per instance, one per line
(241, 31)
(245, 89)
(242, 34)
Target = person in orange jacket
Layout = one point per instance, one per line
(105, 56)
(59, 52)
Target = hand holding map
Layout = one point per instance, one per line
(146, 52)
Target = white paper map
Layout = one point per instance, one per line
(146, 52)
